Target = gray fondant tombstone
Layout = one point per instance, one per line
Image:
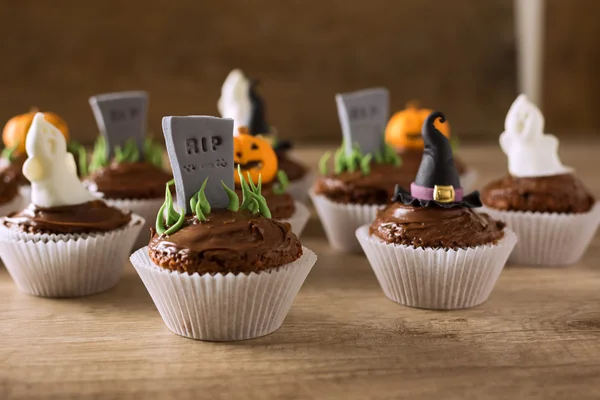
(363, 116)
(121, 116)
(200, 147)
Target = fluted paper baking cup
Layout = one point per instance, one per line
(436, 279)
(223, 307)
(16, 204)
(340, 221)
(299, 219)
(468, 180)
(146, 208)
(67, 265)
(549, 238)
(299, 188)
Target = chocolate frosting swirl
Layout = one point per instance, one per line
(435, 227)
(93, 216)
(236, 242)
(125, 180)
(354, 187)
(556, 194)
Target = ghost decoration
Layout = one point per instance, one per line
(235, 102)
(50, 168)
(530, 152)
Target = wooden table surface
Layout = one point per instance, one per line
(538, 336)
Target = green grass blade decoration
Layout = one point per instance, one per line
(284, 182)
(378, 157)
(323, 163)
(8, 153)
(262, 205)
(193, 202)
(234, 200)
(339, 161)
(365, 164)
(198, 211)
(135, 152)
(160, 223)
(251, 182)
(246, 198)
(254, 206)
(177, 225)
(202, 200)
(82, 160)
(172, 215)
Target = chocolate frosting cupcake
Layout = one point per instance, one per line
(90, 217)
(563, 193)
(449, 228)
(228, 242)
(9, 187)
(374, 188)
(128, 180)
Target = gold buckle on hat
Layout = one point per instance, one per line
(443, 194)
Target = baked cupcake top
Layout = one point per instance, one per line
(537, 180)
(436, 213)
(125, 163)
(450, 228)
(215, 232)
(365, 169)
(241, 102)
(60, 203)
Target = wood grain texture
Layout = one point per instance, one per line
(538, 336)
(458, 56)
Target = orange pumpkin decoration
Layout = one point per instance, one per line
(403, 130)
(254, 155)
(15, 130)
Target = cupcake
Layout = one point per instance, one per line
(364, 172)
(256, 158)
(241, 102)
(13, 156)
(126, 167)
(403, 133)
(66, 243)
(222, 269)
(548, 207)
(429, 249)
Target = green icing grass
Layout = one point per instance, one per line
(356, 160)
(8, 153)
(153, 153)
(169, 221)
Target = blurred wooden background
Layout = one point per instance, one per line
(457, 56)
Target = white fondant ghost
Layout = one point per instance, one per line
(50, 168)
(235, 100)
(530, 152)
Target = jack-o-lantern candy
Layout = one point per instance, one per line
(15, 130)
(403, 130)
(254, 155)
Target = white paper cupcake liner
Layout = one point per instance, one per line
(468, 180)
(147, 209)
(436, 279)
(223, 307)
(340, 221)
(299, 219)
(299, 188)
(16, 204)
(549, 238)
(67, 265)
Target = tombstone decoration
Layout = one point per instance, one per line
(363, 116)
(200, 147)
(121, 116)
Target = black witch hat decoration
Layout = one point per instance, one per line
(437, 182)
(258, 122)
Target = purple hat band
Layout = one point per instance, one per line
(425, 193)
